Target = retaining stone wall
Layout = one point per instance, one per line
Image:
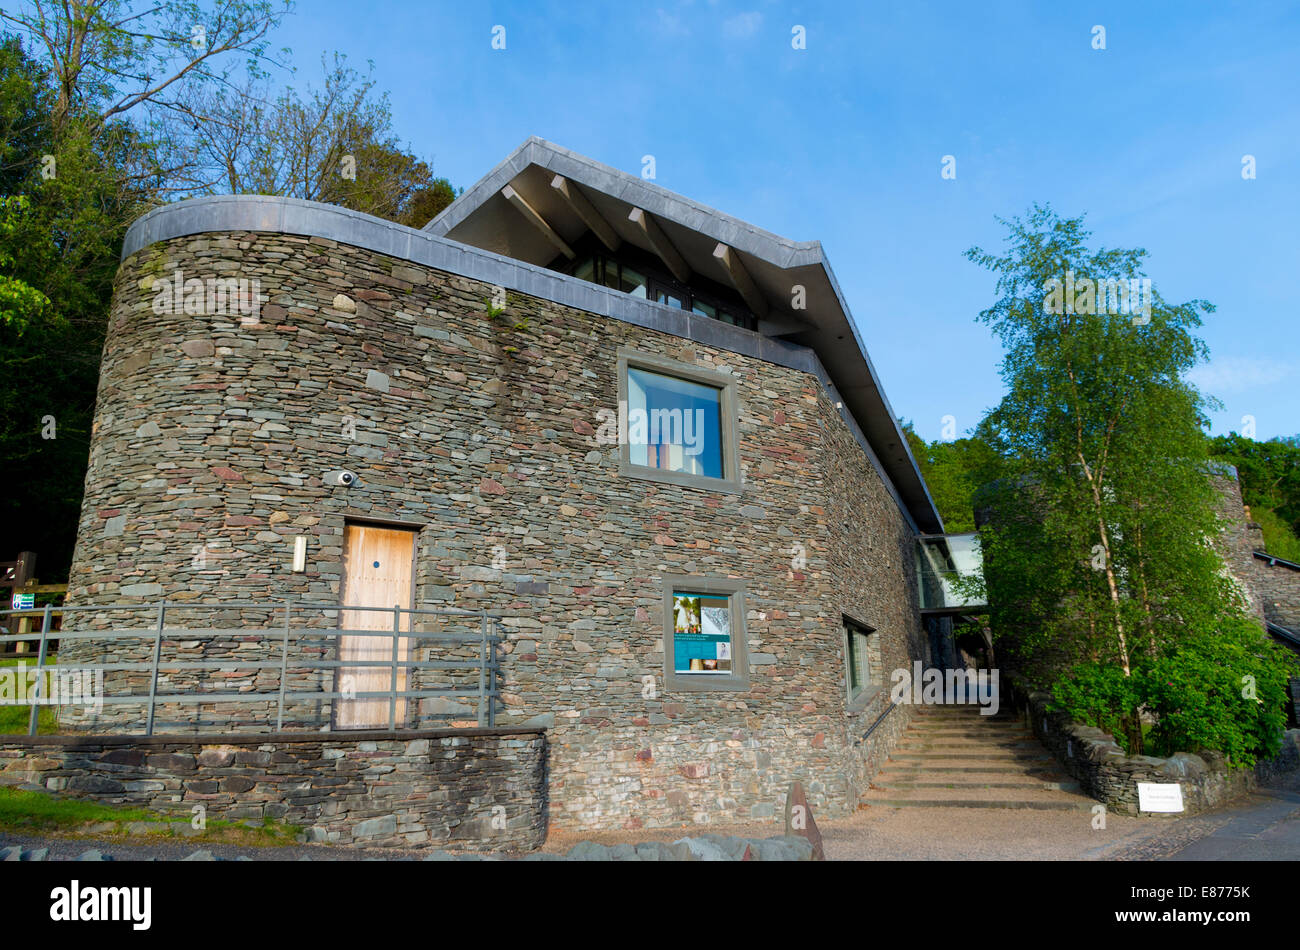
(474, 790)
(1105, 772)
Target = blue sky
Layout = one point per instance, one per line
(842, 142)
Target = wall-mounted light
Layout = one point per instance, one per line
(300, 554)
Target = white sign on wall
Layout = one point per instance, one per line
(1154, 796)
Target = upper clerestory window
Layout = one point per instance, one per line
(609, 271)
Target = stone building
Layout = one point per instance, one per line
(1271, 583)
(644, 434)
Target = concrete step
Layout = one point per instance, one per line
(970, 793)
(1085, 805)
(904, 784)
(968, 742)
(971, 714)
(975, 728)
(1044, 773)
(992, 732)
(999, 757)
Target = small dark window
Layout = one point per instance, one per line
(862, 659)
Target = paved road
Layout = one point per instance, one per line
(1264, 827)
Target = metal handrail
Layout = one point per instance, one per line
(488, 637)
(879, 719)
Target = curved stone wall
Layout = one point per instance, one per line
(213, 433)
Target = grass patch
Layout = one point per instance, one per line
(14, 719)
(27, 812)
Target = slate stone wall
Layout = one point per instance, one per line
(1105, 772)
(475, 790)
(213, 435)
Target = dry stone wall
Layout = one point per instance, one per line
(476, 790)
(1111, 776)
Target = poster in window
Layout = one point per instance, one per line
(701, 633)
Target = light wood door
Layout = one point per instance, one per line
(377, 568)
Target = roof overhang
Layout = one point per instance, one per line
(536, 203)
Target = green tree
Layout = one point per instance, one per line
(954, 472)
(109, 58)
(70, 192)
(1099, 559)
(1270, 484)
(334, 143)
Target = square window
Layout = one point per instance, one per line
(670, 299)
(674, 424)
(677, 423)
(704, 634)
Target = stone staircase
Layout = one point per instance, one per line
(952, 757)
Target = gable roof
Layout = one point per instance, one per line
(764, 267)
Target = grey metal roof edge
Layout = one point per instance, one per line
(1274, 560)
(483, 189)
(221, 213)
(1283, 633)
(637, 191)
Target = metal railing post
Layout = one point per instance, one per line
(392, 698)
(157, 655)
(40, 675)
(284, 666)
(482, 668)
(492, 680)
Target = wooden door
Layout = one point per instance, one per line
(377, 569)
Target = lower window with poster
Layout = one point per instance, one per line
(704, 633)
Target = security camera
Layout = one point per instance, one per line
(342, 477)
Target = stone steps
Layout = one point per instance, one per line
(954, 757)
(971, 771)
(978, 793)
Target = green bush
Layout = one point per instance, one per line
(1222, 690)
